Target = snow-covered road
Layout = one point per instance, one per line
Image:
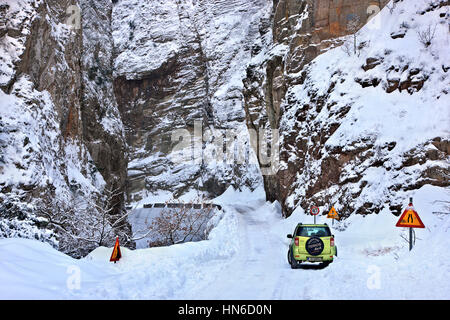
(256, 271)
(245, 258)
(373, 261)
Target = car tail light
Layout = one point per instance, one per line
(296, 242)
(332, 242)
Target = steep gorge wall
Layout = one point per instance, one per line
(178, 62)
(103, 130)
(61, 137)
(301, 30)
(312, 102)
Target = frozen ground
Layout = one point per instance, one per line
(245, 258)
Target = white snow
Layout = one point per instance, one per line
(208, 44)
(18, 19)
(245, 255)
(142, 51)
(410, 120)
(245, 258)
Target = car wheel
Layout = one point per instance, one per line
(314, 246)
(289, 256)
(292, 261)
(326, 264)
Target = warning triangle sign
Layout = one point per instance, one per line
(116, 255)
(333, 214)
(410, 219)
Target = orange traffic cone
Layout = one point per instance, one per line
(116, 255)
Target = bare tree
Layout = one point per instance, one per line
(426, 36)
(347, 47)
(109, 225)
(181, 224)
(353, 26)
(84, 222)
(351, 45)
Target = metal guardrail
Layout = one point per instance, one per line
(182, 205)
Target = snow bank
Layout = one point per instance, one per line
(35, 271)
(245, 258)
(381, 108)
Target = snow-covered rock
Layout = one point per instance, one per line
(178, 62)
(361, 131)
(52, 117)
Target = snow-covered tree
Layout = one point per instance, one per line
(85, 222)
(181, 224)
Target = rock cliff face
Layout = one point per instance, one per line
(309, 28)
(103, 130)
(178, 62)
(100, 95)
(61, 136)
(301, 30)
(313, 103)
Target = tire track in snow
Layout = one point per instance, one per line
(259, 269)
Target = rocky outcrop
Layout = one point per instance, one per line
(154, 102)
(61, 139)
(311, 27)
(311, 101)
(103, 130)
(179, 62)
(301, 31)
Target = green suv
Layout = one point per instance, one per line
(311, 243)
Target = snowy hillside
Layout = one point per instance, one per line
(249, 246)
(179, 62)
(32, 160)
(364, 130)
(59, 122)
(109, 106)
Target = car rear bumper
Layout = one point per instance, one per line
(306, 258)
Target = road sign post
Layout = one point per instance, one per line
(410, 219)
(315, 211)
(410, 239)
(333, 214)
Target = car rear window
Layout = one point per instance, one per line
(310, 231)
